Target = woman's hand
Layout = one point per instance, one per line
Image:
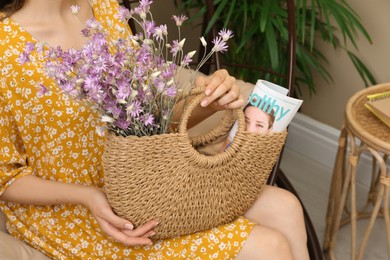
(55, 193)
(222, 91)
(115, 227)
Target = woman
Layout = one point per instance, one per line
(256, 121)
(50, 172)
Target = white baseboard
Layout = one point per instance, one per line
(319, 142)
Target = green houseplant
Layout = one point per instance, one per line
(261, 36)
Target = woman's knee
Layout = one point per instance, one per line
(273, 202)
(265, 243)
(290, 203)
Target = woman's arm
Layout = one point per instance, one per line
(33, 190)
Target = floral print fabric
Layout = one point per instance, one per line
(50, 136)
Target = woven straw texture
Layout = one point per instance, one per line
(164, 177)
(364, 123)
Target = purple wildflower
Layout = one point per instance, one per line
(144, 54)
(91, 84)
(100, 64)
(149, 28)
(123, 13)
(86, 32)
(88, 52)
(75, 9)
(159, 84)
(187, 59)
(29, 47)
(179, 19)
(134, 109)
(123, 91)
(122, 123)
(99, 39)
(40, 47)
(139, 73)
(145, 3)
(119, 58)
(128, 79)
(71, 57)
(175, 47)
(160, 31)
(169, 71)
(67, 86)
(219, 45)
(114, 110)
(225, 34)
(171, 91)
(147, 119)
(93, 24)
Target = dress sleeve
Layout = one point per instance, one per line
(13, 159)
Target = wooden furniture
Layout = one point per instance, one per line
(361, 132)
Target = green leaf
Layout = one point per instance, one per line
(216, 15)
(246, 37)
(312, 26)
(230, 12)
(363, 71)
(272, 45)
(265, 12)
(322, 6)
(303, 20)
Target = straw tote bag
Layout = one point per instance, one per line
(163, 177)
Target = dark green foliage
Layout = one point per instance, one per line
(261, 36)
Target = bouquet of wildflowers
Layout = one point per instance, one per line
(130, 80)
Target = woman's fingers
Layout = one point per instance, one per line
(216, 79)
(137, 236)
(117, 228)
(236, 104)
(221, 90)
(120, 230)
(121, 237)
(117, 221)
(142, 230)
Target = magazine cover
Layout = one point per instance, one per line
(268, 108)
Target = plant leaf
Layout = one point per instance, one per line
(272, 45)
(265, 11)
(363, 71)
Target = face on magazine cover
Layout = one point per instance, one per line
(258, 121)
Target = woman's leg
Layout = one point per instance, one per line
(280, 210)
(265, 244)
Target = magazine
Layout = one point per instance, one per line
(272, 99)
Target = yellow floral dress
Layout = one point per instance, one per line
(50, 136)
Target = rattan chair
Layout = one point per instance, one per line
(277, 176)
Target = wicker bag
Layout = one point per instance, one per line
(164, 177)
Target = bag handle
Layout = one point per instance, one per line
(218, 131)
(188, 146)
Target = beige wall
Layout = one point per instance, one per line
(163, 11)
(327, 106)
